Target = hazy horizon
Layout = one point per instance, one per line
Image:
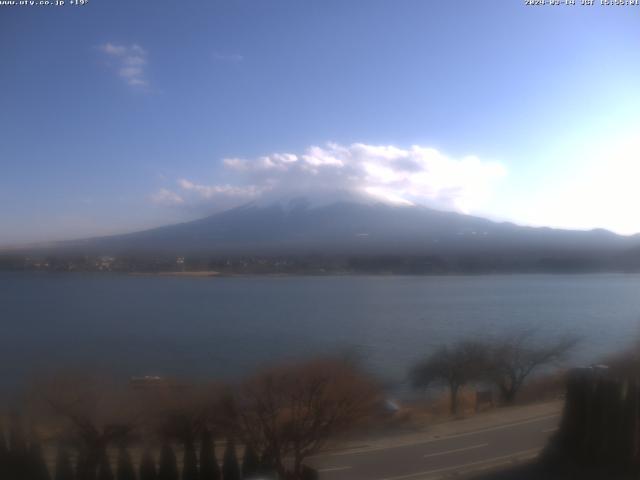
(282, 202)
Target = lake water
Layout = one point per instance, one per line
(225, 327)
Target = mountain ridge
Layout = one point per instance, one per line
(338, 238)
(346, 227)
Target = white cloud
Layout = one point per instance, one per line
(416, 175)
(130, 62)
(167, 197)
(213, 191)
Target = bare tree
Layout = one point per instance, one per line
(181, 418)
(95, 412)
(453, 366)
(512, 359)
(293, 411)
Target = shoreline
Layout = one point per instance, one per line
(201, 274)
(214, 273)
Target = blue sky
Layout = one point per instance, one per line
(121, 115)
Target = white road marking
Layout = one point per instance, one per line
(447, 452)
(462, 466)
(333, 469)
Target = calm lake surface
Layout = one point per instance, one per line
(225, 327)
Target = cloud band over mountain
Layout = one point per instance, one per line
(410, 176)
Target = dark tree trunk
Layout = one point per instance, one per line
(104, 467)
(454, 399)
(510, 386)
(250, 462)
(189, 462)
(125, 469)
(508, 394)
(148, 469)
(168, 468)
(267, 464)
(87, 464)
(37, 465)
(64, 470)
(209, 469)
(230, 466)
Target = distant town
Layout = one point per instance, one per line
(201, 265)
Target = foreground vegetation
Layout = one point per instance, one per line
(274, 421)
(83, 427)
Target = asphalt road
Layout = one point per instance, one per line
(439, 457)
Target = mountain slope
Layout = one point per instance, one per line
(354, 228)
